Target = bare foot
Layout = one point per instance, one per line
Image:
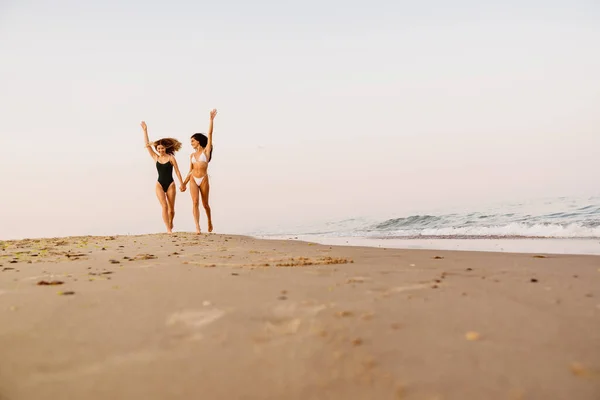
(210, 227)
(198, 231)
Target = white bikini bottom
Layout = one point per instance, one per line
(198, 180)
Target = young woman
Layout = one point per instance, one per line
(199, 186)
(165, 161)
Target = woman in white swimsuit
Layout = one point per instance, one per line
(198, 173)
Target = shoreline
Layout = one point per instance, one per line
(500, 244)
(182, 316)
(493, 244)
(515, 245)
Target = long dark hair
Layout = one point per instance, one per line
(203, 140)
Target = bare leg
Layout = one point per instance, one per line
(194, 191)
(204, 189)
(171, 193)
(162, 199)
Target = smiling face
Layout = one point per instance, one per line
(195, 144)
(162, 150)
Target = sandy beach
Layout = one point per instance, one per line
(232, 317)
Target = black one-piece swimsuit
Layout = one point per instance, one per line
(165, 174)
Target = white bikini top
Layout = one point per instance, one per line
(202, 158)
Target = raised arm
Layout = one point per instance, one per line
(208, 147)
(148, 145)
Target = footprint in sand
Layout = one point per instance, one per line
(33, 278)
(417, 286)
(399, 289)
(287, 319)
(297, 310)
(108, 363)
(358, 279)
(193, 320)
(149, 265)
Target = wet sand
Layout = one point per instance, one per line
(497, 245)
(231, 317)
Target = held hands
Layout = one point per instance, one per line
(182, 188)
(213, 114)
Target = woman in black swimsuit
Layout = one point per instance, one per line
(165, 161)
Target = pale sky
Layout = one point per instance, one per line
(327, 109)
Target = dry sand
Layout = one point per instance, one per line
(231, 317)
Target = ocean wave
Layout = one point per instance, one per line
(580, 221)
(560, 218)
(496, 231)
(421, 220)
